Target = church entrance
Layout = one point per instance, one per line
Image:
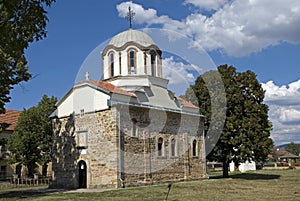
(82, 174)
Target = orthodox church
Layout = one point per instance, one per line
(127, 129)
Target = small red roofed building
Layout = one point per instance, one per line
(8, 122)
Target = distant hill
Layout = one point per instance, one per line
(282, 147)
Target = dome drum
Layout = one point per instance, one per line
(131, 52)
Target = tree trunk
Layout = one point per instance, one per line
(44, 170)
(31, 169)
(225, 169)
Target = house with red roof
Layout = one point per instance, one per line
(8, 122)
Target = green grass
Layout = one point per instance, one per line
(259, 185)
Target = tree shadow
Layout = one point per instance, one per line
(28, 193)
(249, 176)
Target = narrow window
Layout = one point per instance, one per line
(173, 147)
(111, 64)
(152, 64)
(132, 62)
(194, 148)
(160, 146)
(120, 63)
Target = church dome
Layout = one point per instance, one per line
(131, 36)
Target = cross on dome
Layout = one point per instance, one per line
(130, 16)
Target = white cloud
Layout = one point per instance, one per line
(236, 28)
(284, 111)
(148, 16)
(282, 95)
(180, 75)
(178, 72)
(207, 4)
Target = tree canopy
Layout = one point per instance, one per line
(21, 22)
(32, 139)
(293, 148)
(246, 132)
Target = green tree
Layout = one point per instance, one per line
(293, 148)
(246, 132)
(32, 139)
(21, 22)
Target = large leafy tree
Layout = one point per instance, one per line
(21, 22)
(32, 140)
(246, 132)
(293, 148)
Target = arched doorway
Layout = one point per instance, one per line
(82, 174)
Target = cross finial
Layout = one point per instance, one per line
(130, 15)
(87, 76)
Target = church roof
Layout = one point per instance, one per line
(131, 36)
(11, 118)
(111, 88)
(186, 103)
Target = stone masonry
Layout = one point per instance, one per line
(120, 147)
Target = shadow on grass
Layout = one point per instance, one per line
(28, 193)
(249, 176)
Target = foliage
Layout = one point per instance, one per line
(32, 139)
(293, 148)
(246, 132)
(21, 22)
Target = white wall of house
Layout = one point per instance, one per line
(244, 167)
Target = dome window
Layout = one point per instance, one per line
(131, 62)
(111, 64)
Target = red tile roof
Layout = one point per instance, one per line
(283, 152)
(111, 88)
(186, 103)
(10, 117)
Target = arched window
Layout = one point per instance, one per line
(111, 64)
(194, 147)
(153, 63)
(173, 147)
(131, 62)
(160, 142)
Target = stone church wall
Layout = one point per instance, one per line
(142, 163)
(98, 149)
(132, 159)
(64, 155)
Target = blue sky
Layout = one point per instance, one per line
(262, 36)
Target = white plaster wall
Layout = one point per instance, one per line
(85, 98)
(105, 67)
(140, 62)
(66, 107)
(117, 64)
(124, 63)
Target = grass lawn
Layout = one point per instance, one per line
(260, 185)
